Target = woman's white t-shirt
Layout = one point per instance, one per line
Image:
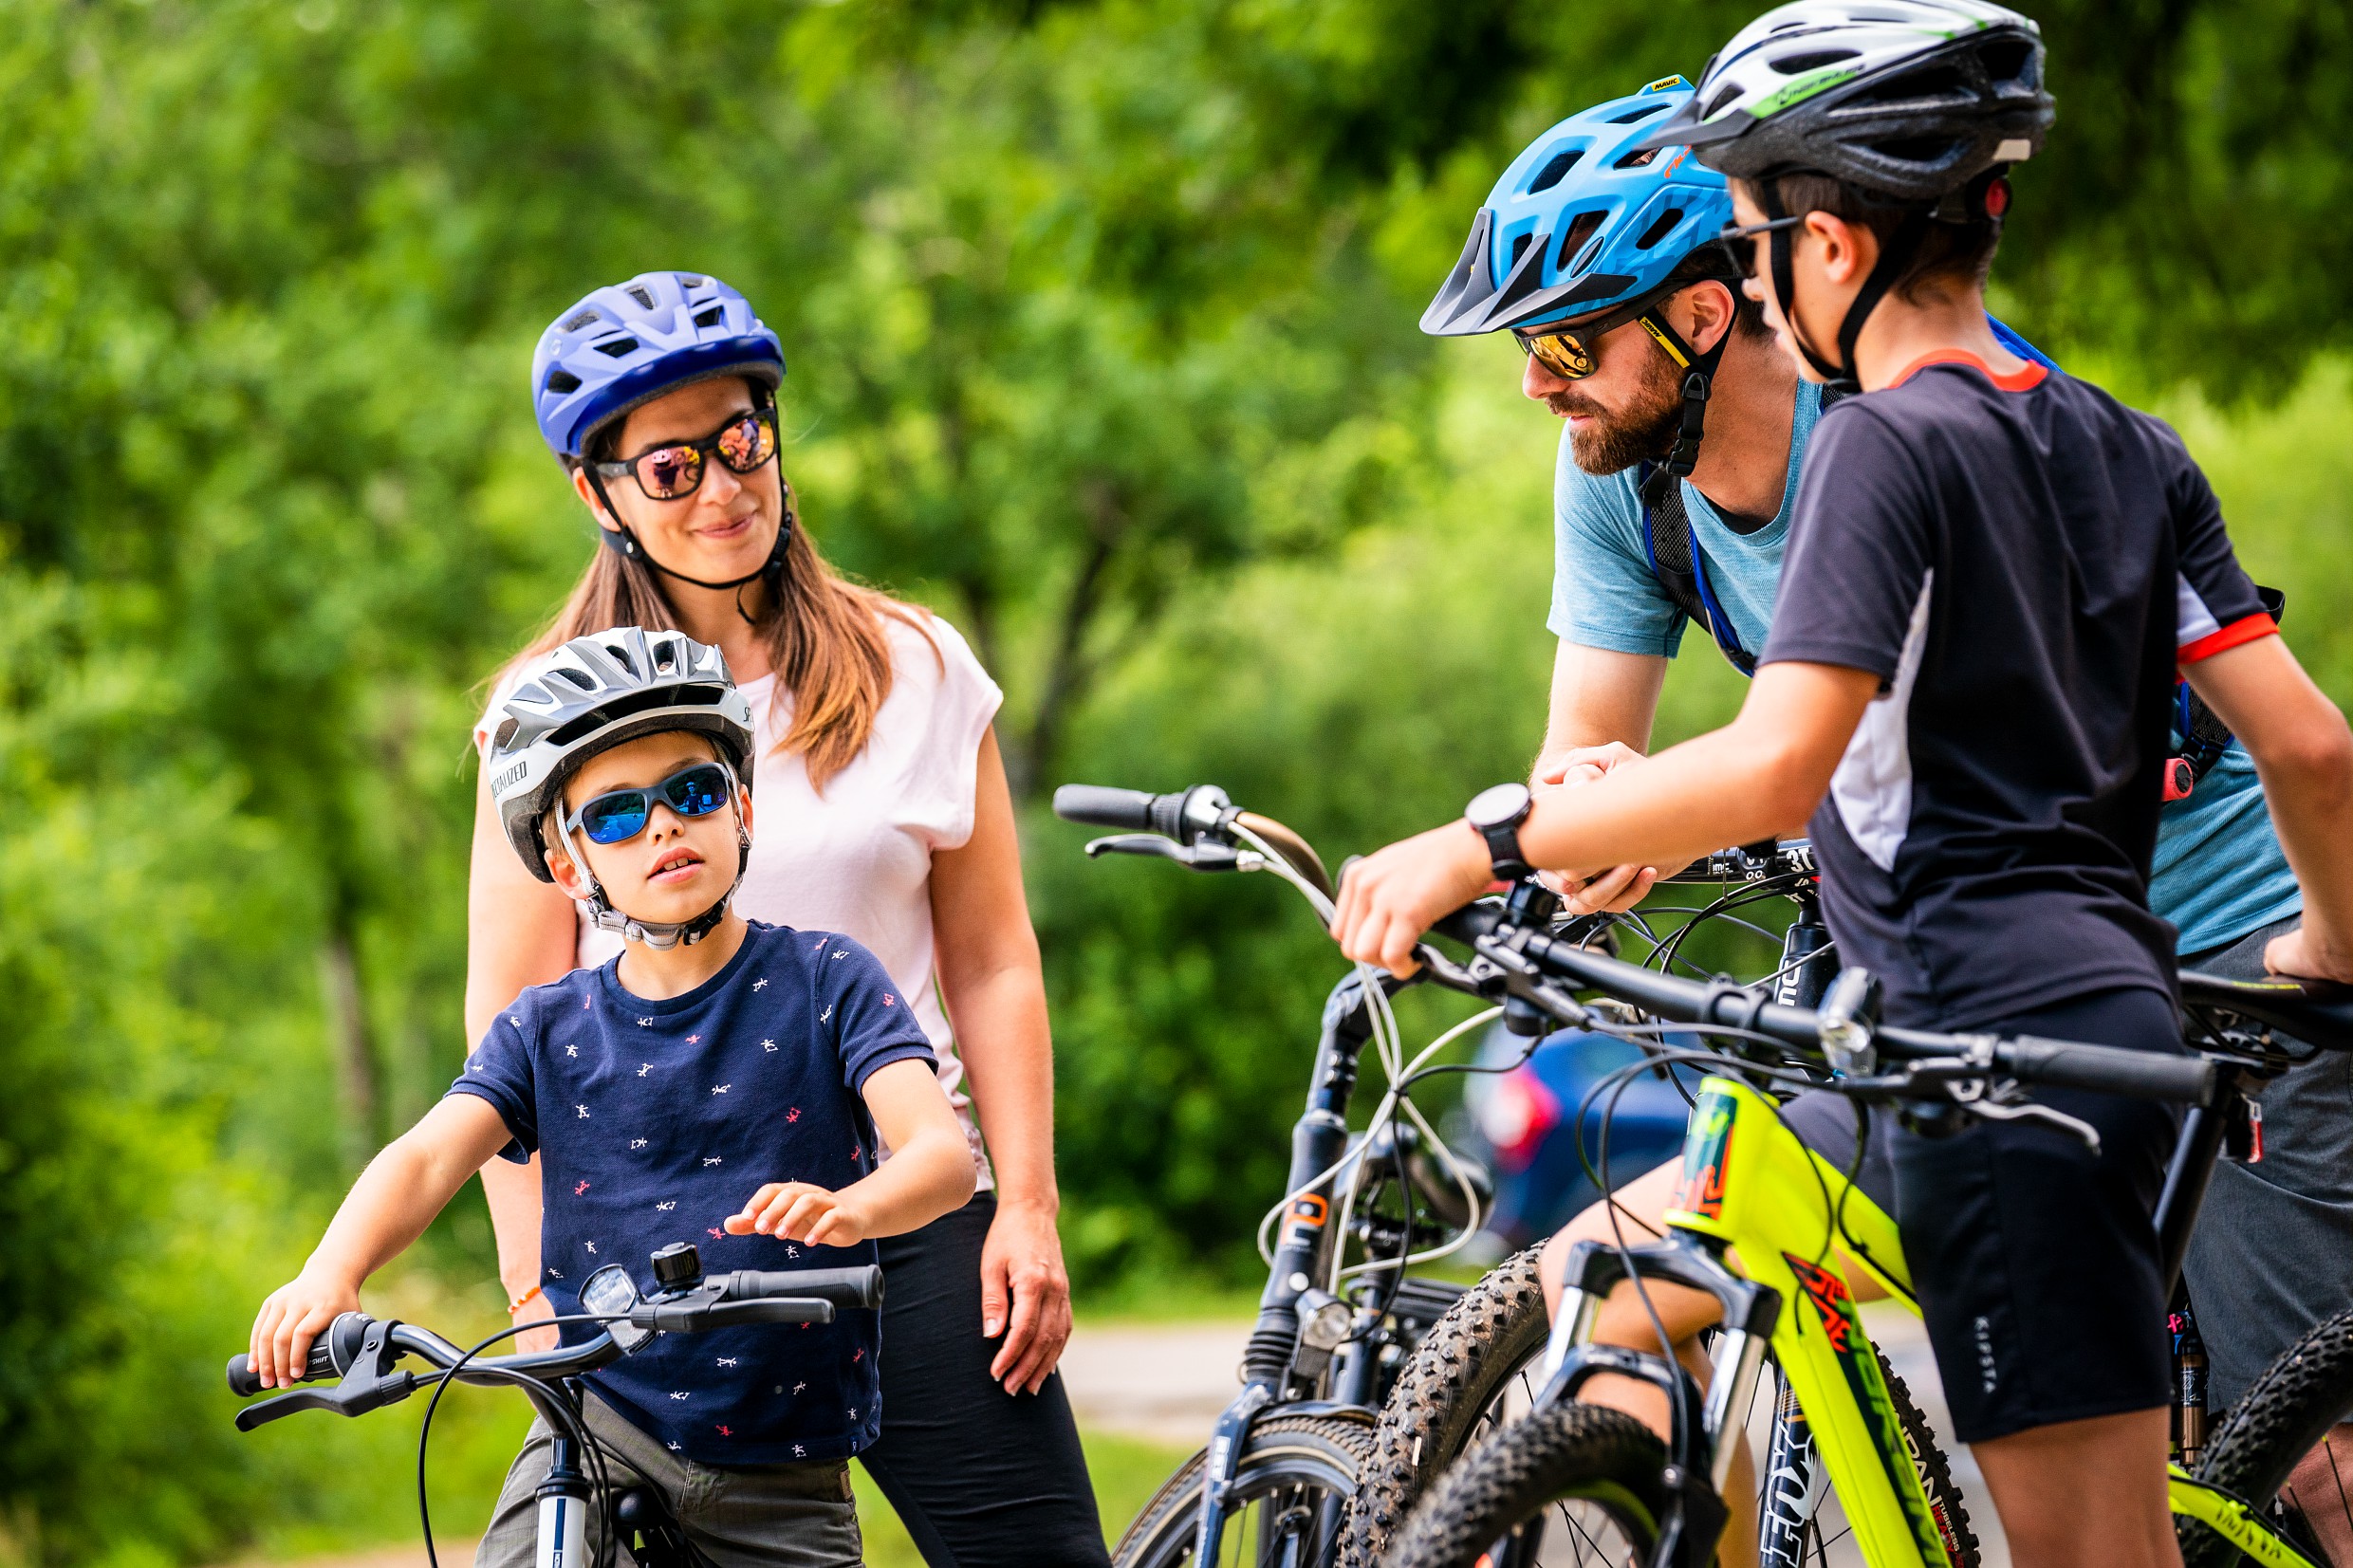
(857, 858)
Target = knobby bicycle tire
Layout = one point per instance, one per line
(1464, 1364)
(1468, 1360)
(2289, 1408)
(1603, 1460)
(1320, 1455)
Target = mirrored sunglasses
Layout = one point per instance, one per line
(1572, 353)
(620, 815)
(674, 468)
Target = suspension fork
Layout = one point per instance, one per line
(1302, 1243)
(1704, 1430)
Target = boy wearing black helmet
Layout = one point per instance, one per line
(1993, 573)
(723, 1083)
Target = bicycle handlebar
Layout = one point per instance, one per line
(2145, 1075)
(725, 1300)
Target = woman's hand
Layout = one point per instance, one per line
(295, 1314)
(1389, 899)
(798, 1212)
(1022, 1275)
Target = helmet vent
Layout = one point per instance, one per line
(1636, 159)
(576, 678)
(2008, 59)
(709, 316)
(1643, 112)
(1716, 105)
(504, 734)
(691, 280)
(562, 382)
(1578, 229)
(1661, 229)
(580, 320)
(619, 348)
(1794, 65)
(1553, 172)
(1519, 249)
(1941, 81)
(641, 297)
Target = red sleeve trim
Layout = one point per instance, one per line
(2254, 626)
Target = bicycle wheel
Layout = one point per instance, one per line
(1474, 1371)
(1575, 1484)
(2257, 1447)
(1478, 1370)
(1297, 1472)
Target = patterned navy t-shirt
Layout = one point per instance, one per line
(657, 1120)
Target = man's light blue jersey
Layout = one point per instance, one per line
(2218, 873)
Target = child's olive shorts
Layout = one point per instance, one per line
(752, 1516)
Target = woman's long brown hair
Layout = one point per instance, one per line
(825, 640)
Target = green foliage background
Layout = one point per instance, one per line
(1100, 322)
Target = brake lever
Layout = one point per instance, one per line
(1203, 855)
(2058, 1121)
(370, 1383)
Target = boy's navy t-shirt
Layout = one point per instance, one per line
(654, 1121)
(2022, 562)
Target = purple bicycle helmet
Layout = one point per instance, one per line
(626, 344)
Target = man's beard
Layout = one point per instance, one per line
(1644, 431)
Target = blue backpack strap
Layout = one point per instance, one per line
(1676, 562)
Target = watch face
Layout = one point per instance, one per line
(1503, 802)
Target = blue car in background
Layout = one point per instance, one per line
(1521, 1127)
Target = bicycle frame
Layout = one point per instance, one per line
(1766, 1226)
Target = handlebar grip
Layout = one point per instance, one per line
(245, 1384)
(1100, 806)
(844, 1287)
(2107, 1069)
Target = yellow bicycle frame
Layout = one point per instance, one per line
(1785, 1217)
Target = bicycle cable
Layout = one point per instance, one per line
(576, 1426)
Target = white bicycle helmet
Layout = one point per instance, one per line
(594, 693)
(1917, 104)
(1907, 100)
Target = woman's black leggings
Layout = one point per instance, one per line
(980, 1478)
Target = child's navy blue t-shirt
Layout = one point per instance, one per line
(656, 1120)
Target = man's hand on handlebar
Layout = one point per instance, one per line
(1389, 899)
(1614, 889)
(295, 1314)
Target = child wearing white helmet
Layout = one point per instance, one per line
(721, 1083)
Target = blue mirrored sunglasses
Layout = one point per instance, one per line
(620, 815)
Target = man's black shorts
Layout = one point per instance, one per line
(2035, 1261)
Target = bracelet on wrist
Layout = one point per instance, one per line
(523, 1301)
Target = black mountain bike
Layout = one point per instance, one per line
(1340, 1310)
(363, 1353)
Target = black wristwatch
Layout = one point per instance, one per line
(1497, 814)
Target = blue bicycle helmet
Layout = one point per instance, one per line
(625, 345)
(1584, 220)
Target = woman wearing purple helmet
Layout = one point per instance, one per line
(886, 815)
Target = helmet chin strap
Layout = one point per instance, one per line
(1698, 378)
(1840, 376)
(623, 542)
(662, 936)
